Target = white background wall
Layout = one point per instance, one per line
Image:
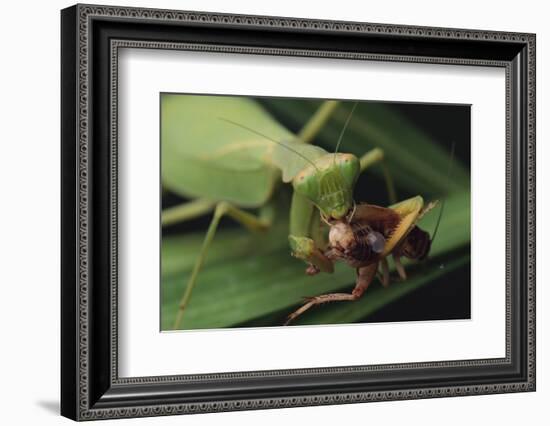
(29, 211)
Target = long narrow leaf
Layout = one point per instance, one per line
(415, 160)
(247, 277)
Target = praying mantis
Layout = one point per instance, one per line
(240, 172)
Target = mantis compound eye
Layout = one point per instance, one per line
(376, 241)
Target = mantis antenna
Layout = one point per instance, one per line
(449, 169)
(344, 129)
(242, 126)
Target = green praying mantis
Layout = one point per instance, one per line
(241, 171)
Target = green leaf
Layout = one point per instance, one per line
(416, 162)
(377, 296)
(179, 252)
(248, 276)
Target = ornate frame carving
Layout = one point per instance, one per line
(91, 388)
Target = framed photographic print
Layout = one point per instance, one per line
(263, 212)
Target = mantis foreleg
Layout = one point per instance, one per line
(248, 220)
(306, 240)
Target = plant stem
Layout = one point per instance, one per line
(317, 121)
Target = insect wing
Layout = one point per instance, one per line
(408, 210)
(204, 156)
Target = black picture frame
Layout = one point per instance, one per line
(90, 386)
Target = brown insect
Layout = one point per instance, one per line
(365, 240)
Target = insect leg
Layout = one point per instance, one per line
(187, 211)
(399, 267)
(385, 272)
(365, 276)
(248, 220)
(376, 156)
(305, 237)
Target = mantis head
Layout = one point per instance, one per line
(328, 183)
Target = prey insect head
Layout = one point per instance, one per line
(329, 185)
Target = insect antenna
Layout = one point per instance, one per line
(344, 129)
(242, 126)
(350, 216)
(449, 170)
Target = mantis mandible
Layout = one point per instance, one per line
(242, 170)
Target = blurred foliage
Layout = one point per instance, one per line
(251, 279)
(417, 163)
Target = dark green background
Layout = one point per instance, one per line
(417, 140)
